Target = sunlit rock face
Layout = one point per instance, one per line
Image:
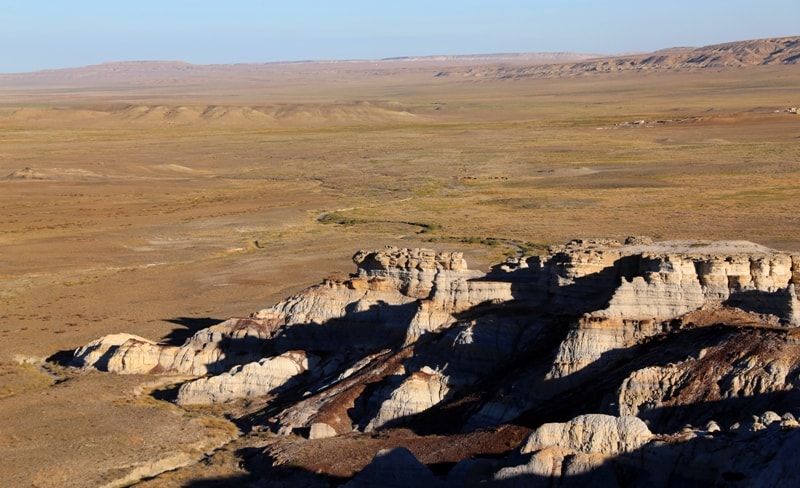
(211, 350)
(602, 347)
(249, 380)
(591, 433)
(656, 283)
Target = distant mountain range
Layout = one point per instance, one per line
(785, 50)
(741, 54)
(154, 71)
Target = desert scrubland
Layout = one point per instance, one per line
(153, 201)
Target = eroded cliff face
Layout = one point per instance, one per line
(652, 335)
(211, 350)
(656, 283)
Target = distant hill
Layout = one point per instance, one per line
(741, 54)
(165, 72)
(508, 65)
(551, 57)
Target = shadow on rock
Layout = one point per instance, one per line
(189, 326)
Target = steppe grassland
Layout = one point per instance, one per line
(155, 224)
(507, 163)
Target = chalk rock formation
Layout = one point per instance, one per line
(754, 372)
(99, 353)
(411, 291)
(689, 457)
(396, 294)
(417, 393)
(412, 272)
(591, 433)
(647, 336)
(321, 430)
(249, 380)
(600, 450)
(211, 350)
(554, 466)
(660, 282)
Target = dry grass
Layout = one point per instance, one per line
(146, 220)
(18, 378)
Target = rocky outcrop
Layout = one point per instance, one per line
(321, 430)
(249, 380)
(417, 393)
(741, 54)
(410, 271)
(652, 335)
(561, 456)
(211, 350)
(752, 372)
(591, 433)
(661, 282)
(558, 467)
(409, 291)
(665, 280)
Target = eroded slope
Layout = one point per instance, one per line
(602, 350)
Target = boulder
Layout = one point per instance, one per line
(591, 433)
(321, 430)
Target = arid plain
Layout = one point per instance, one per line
(158, 198)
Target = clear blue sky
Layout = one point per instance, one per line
(43, 34)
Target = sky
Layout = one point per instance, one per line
(50, 34)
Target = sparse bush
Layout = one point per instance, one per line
(338, 218)
(426, 228)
